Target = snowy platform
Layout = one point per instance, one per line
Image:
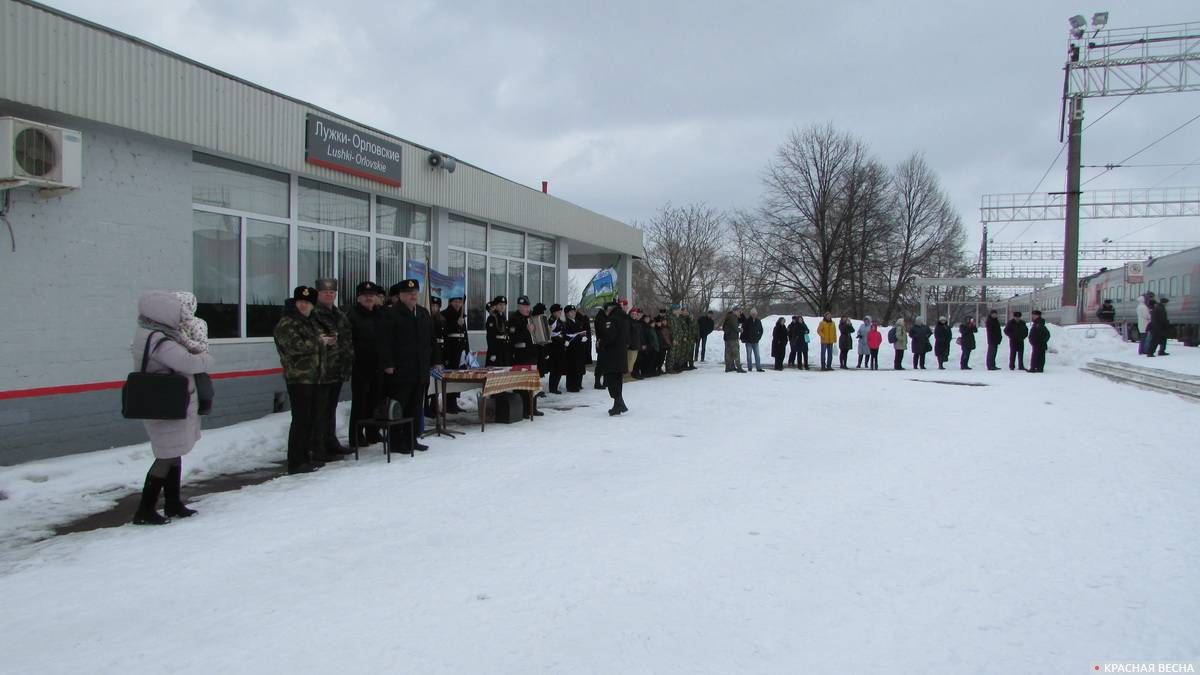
(778, 522)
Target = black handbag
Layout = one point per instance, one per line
(154, 396)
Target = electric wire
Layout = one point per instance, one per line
(1062, 147)
(1158, 140)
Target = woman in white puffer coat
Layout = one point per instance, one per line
(185, 350)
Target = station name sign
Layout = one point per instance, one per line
(336, 146)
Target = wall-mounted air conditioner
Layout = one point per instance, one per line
(39, 154)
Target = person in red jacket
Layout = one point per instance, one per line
(874, 339)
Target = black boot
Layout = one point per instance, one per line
(173, 504)
(147, 513)
(621, 404)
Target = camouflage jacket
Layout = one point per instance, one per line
(298, 341)
(334, 321)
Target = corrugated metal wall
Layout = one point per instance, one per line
(69, 66)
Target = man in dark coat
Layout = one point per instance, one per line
(1017, 331)
(332, 321)
(1107, 312)
(704, 327)
(499, 344)
(556, 351)
(637, 343)
(524, 352)
(578, 347)
(798, 355)
(918, 337)
(454, 334)
(612, 327)
(994, 334)
(409, 349)
(599, 337)
(1039, 340)
(941, 342)
(454, 343)
(1160, 328)
(366, 379)
(966, 336)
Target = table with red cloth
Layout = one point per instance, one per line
(493, 381)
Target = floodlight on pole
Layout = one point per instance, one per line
(1099, 19)
(1078, 26)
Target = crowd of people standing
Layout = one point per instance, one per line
(791, 340)
(388, 346)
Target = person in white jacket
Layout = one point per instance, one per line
(1143, 319)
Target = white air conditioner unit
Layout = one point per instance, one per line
(39, 154)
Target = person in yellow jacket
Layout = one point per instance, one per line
(827, 332)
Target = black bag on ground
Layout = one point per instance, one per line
(154, 396)
(508, 407)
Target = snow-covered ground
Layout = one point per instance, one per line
(853, 521)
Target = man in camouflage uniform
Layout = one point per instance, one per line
(340, 366)
(675, 324)
(302, 353)
(693, 337)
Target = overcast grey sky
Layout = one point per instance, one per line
(624, 106)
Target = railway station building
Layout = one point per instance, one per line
(125, 167)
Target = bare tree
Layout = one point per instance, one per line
(682, 244)
(805, 214)
(746, 279)
(923, 226)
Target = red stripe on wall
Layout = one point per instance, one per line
(101, 386)
(353, 172)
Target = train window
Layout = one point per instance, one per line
(1174, 286)
(1187, 284)
(1152, 286)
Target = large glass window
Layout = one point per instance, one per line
(534, 288)
(401, 219)
(354, 266)
(216, 271)
(498, 278)
(314, 256)
(476, 291)
(466, 233)
(389, 262)
(516, 280)
(541, 249)
(549, 292)
(233, 185)
(333, 205)
(266, 275)
(507, 243)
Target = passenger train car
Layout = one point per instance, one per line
(1175, 276)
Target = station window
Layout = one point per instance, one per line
(218, 277)
(240, 187)
(401, 219)
(333, 205)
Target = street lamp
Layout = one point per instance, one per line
(1099, 19)
(1078, 23)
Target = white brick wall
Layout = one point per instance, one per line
(70, 289)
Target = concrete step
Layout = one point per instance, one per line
(1145, 377)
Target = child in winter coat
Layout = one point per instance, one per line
(874, 339)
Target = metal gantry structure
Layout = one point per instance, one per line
(1170, 202)
(1108, 62)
